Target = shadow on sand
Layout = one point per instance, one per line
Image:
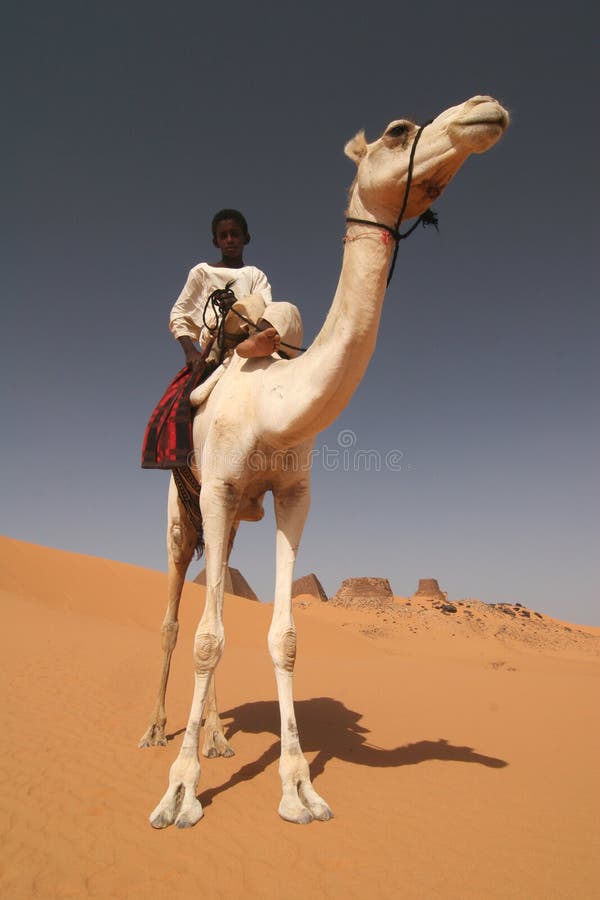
(327, 726)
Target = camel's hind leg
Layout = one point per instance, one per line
(215, 742)
(181, 543)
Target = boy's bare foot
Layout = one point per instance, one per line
(263, 343)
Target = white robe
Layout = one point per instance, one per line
(186, 316)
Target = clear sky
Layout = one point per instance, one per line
(129, 124)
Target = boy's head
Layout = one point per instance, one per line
(233, 215)
(230, 233)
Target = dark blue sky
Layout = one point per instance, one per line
(129, 125)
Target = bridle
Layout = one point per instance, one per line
(426, 218)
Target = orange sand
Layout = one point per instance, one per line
(460, 753)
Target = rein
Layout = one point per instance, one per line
(426, 218)
(222, 301)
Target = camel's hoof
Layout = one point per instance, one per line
(322, 812)
(303, 817)
(294, 812)
(212, 752)
(189, 816)
(216, 744)
(318, 807)
(154, 737)
(169, 807)
(160, 819)
(185, 822)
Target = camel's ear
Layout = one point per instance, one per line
(357, 147)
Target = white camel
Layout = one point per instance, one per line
(271, 410)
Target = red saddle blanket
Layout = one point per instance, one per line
(168, 442)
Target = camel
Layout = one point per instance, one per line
(255, 431)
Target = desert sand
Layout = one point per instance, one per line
(459, 751)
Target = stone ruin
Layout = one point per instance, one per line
(429, 589)
(309, 584)
(235, 583)
(364, 593)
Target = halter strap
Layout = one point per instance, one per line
(426, 218)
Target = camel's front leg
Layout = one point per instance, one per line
(300, 802)
(180, 803)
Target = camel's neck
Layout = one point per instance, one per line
(316, 386)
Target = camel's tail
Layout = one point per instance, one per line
(188, 489)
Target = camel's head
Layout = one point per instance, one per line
(444, 144)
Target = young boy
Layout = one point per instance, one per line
(230, 236)
(168, 438)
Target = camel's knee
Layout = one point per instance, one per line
(169, 633)
(220, 495)
(207, 653)
(180, 543)
(283, 650)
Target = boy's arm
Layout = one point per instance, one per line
(183, 321)
(261, 286)
(193, 356)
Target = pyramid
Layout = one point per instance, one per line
(429, 589)
(235, 583)
(361, 593)
(309, 584)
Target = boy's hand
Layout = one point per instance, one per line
(194, 358)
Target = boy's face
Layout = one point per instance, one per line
(230, 239)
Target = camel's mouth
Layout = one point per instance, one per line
(496, 119)
(480, 127)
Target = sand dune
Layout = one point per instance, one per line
(459, 750)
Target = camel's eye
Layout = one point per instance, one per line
(399, 130)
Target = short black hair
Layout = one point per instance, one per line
(234, 214)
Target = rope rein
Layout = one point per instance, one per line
(221, 301)
(429, 217)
